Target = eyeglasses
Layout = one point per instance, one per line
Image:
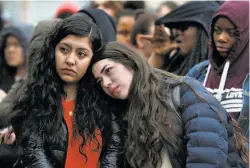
(179, 27)
(182, 27)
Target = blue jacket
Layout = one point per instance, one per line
(210, 139)
(206, 135)
(199, 71)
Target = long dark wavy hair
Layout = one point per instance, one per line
(41, 98)
(149, 103)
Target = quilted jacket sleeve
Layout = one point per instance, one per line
(30, 143)
(205, 122)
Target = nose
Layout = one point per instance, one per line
(70, 60)
(10, 48)
(106, 82)
(175, 33)
(222, 38)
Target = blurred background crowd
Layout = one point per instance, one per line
(33, 11)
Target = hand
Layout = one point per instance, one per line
(161, 41)
(7, 136)
(2, 95)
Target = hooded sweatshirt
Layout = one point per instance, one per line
(199, 13)
(225, 80)
(105, 23)
(23, 33)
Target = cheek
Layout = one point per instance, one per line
(190, 42)
(58, 60)
(214, 37)
(5, 51)
(190, 34)
(59, 57)
(232, 41)
(21, 54)
(83, 65)
(127, 81)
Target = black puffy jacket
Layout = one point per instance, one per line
(43, 150)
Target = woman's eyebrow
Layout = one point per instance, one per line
(62, 43)
(103, 68)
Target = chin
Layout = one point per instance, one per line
(123, 97)
(68, 79)
(120, 97)
(12, 65)
(180, 53)
(224, 55)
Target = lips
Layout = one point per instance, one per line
(114, 90)
(222, 49)
(68, 71)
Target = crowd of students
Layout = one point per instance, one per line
(118, 86)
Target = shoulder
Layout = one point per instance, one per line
(198, 69)
(201, 65)
(191, 86)
(195, 96)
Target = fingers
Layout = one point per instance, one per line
(9, 138)
(165, 49)
(4, 131)
(148, 37)
(160, 35)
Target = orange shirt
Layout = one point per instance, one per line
(74, 158)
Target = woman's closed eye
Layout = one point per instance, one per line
(109, 70)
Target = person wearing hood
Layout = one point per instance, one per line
(226, 73)
(40, 31)
(8, 154)
(13, 53)
(105, 22)
(187, 45)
